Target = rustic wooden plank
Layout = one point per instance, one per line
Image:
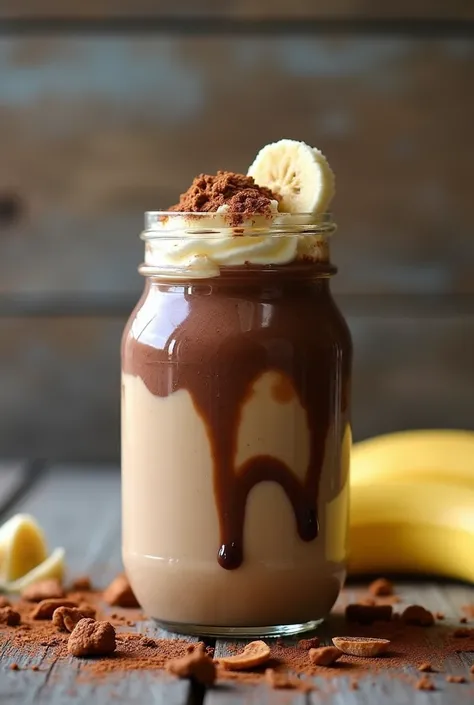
(79, 508)
(100, 128)
(240, 9)
(60, 380)
(379, 688)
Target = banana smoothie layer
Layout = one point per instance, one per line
(235, 413)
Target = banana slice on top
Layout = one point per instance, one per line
(298, 173)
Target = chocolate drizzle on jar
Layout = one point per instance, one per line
(234, 330)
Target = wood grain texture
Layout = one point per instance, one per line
(60, 380)
(98, 129)
(79, 508)
(107, 9)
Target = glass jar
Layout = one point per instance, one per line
(236, 367)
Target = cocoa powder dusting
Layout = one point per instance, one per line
(289, 665)
(240, 193)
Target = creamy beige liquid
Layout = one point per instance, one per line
(170, 519)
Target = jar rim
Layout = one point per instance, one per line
(175, 224)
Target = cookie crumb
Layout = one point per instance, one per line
(46, 608)
(425, 683)
(83, 582)
(91, 638)
(43, 590)
(463, 620)
(10, 617)
(119, 593)
(455, 679)
(381, 587)
(280, 681)
(365, 647)
(425, 668)
(35, 668)
(439, 615)
(416, 615)
(66, 618)
(324, 655)
(197, 666)
(367, 614)
(14, 667)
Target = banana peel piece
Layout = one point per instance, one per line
(52, 567)
(22, 547)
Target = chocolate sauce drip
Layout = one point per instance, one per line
(217, 339)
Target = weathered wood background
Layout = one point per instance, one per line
(106, 112)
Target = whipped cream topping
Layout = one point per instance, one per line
(197, 246)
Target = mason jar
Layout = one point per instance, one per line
(236, 376)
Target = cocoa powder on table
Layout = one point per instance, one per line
(289, 663)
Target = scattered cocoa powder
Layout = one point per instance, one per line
(425, 683)
(240, 193)
(9, 616)
(119, 593)
(367, 614)
(43, 590)
(307, 644)
(381, 587)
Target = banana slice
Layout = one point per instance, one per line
(22, 547)
(298, 173)
(52, 567)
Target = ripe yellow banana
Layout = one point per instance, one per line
(412, 527)
(443, 455)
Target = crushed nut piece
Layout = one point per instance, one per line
(367, 614)
(307, 644)
(46, 608)
(91, 638)
(417, 616)
(43, 590)
(196, 665)
(381, 587)
(120, 594)
(324, 655)
(9, 617)
(14, 667)
(439, 615)
(425, 684)
(66, 618)
(254, 654)
(463, 620)
(361, 646)
(455, 679)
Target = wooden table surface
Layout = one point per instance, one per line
(79, 508)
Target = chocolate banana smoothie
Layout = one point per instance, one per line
(235, 407)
